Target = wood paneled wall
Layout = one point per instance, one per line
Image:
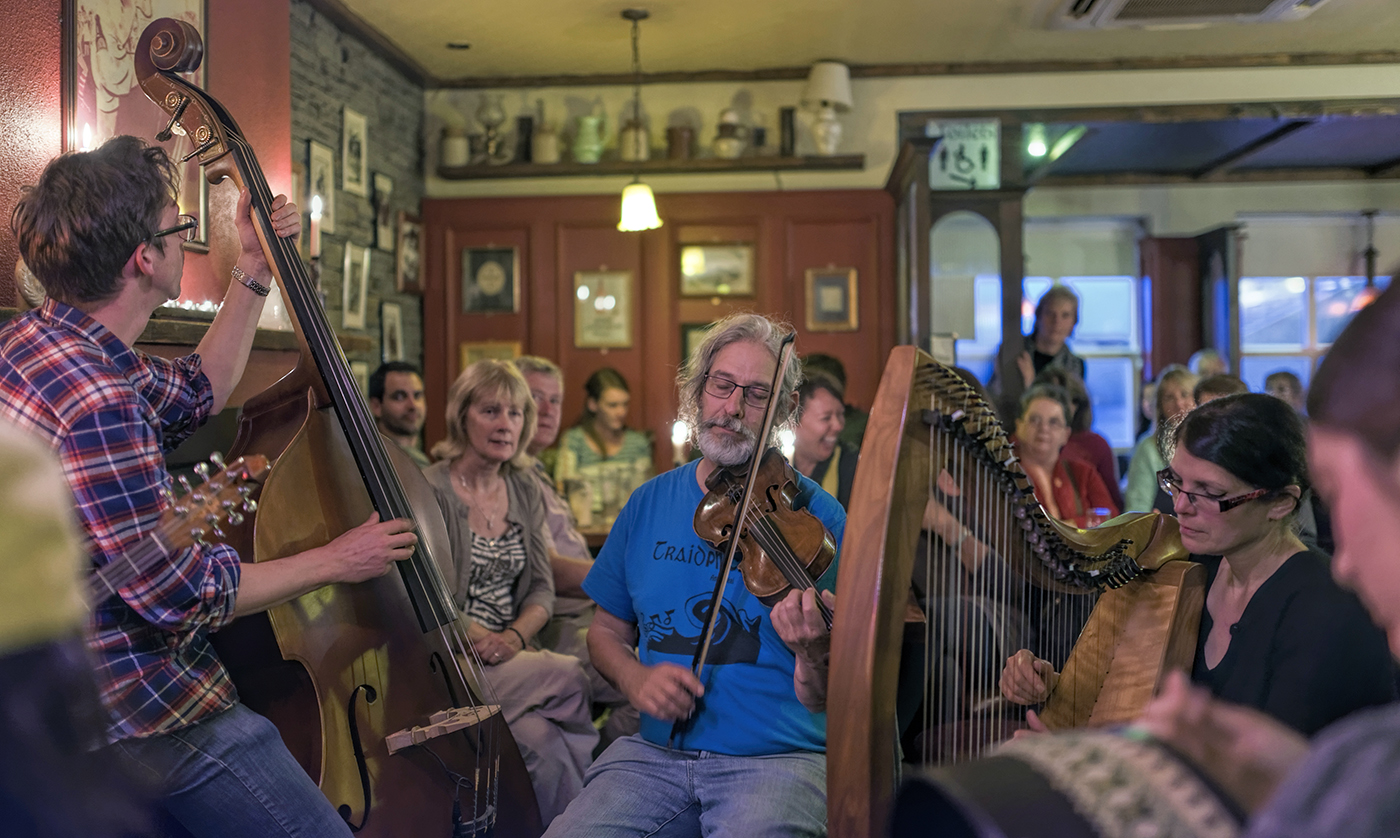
(557, 236)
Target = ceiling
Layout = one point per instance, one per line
(567, 37)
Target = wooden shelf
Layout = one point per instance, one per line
(662, 166)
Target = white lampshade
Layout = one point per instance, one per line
(638, 209)
(829, 82)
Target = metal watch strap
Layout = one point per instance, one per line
(252, 284)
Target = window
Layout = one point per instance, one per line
(1288, 322)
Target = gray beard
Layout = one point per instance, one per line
(724, 452)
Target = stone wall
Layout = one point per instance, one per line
(333, 70)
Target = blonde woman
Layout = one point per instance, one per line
(501, 578)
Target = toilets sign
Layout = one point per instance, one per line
(968, 156)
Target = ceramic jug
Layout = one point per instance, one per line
(588, 139)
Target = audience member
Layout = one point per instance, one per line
(1056, 315)
(1176, 389)
(1084, 444)
(396, 399)
(567, 630)
(1147, 410)
(853, 430)
(1287, 386)
(601, 450)
(501, 576)
(1207, 362)
(1276, 632)
(1213, 387)
(817, 451)
(1070, 490)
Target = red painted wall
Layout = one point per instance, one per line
(249, 54)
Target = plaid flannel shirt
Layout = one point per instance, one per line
(110, 412)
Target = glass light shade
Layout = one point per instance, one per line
(638, 209)
(828, 82)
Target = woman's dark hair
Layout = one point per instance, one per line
(80, 223)
(1357, 388)
(598, 383)
(1257, 438)
(1054, 392)
(818, 380)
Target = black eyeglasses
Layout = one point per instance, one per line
(755, 395)
(1171, 484)
(188, 228)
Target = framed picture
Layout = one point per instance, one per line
(101, 96)
(391, 331)
(354, 153)
(717, 270)
(354, 289)
(831, 300)
(406, 278)
(360, 370)
(691, 335)
(603, 309)
(500, 350)
(320, 161)
(385, 228)
(489, 282)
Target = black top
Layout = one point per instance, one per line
(845, 472)
(1304, 651)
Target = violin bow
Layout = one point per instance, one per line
(741, 514)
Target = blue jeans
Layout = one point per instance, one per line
(639, 789)
(230, 776)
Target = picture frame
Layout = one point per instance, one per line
(354, 286)
(717, 270)
(691, 335)
(603, 309)
(408, 260)
(832, 303)
(470, 352)
(354, 152)
(391, 331)
(101, 99)
(385, 227)
(320, 165)
(360, 370)
(490, 284)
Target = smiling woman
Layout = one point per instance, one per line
(817, 451)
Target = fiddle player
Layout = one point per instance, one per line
(102, 232)
(749, 758)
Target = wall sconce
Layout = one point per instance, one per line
(828, 90)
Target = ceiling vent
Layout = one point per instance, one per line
(1172, 14)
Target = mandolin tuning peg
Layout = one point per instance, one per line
(235, 518)
(203, 470)
(250, 505)
(197, 535)
(217, 459)
(218, 533)
(185, 486)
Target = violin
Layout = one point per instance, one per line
(781, 547)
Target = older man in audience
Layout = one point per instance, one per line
(567, 631)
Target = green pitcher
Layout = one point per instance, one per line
(588, 138)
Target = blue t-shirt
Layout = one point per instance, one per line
(656, 572)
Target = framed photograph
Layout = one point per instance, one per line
(831, 300)
(101, 96)
(500, 350)
(717, 270)
(489, 282)
(603, 309)
(354, 289)
(385, 228)
(691, 335)
(360, 370)
(409, 256)
(320, 162)
(391, 331)
(354, 153)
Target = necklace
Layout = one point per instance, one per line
(497, 509)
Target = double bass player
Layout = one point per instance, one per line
(102, 233)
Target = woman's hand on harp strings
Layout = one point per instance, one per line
(1244, 751)
(1027, 679)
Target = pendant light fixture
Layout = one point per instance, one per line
(1370, 292)
(638, 202)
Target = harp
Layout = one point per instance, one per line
(1032, 583)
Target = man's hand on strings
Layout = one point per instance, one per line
(369, 550)
(799, 622)
(286, 222)
(664, 691)
(1027, 679)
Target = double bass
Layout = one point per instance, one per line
(373, 686)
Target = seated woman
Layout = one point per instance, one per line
(501, 579)
(1175, 399)
(817, 451)
(1070, 490)
(601, 450)
(1276, 633)
(1084, 443)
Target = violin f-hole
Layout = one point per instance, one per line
(352, 717)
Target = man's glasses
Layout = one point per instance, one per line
(755, 395)
(187, 228)
(1171, 484)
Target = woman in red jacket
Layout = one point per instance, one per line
(1068, 489)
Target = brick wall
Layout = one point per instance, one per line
(332, 70)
